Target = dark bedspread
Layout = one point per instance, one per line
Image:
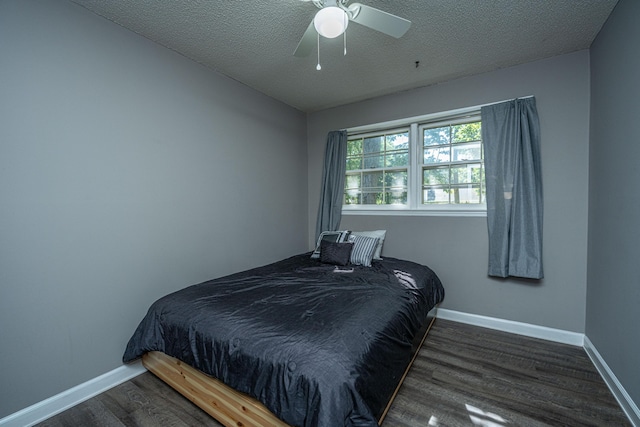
(318, 348)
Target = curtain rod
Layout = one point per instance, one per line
(506, 100)
(431, 116)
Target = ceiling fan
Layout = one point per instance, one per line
(334, 17)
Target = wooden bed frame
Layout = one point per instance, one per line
(228, 406)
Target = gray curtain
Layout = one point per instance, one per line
(511, 137)
(332, 191)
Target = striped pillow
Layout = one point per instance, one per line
(363, 249)
(380, 234)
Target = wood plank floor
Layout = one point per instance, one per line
(463, 376)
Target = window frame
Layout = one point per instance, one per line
(414, 207)
(384, 169)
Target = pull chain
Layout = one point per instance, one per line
(345, 35)
(318, 67)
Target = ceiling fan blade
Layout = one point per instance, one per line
(379, 20)
(307, 42)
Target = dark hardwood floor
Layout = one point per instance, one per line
(463, 376)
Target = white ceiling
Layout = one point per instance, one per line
(253, 41)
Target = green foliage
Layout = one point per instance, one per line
(466, 132)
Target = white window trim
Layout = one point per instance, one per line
(414, 207)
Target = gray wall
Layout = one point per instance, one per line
(456, 248)
(126, 172)
(613, 290)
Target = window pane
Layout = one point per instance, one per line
(436, 155)
(373, 144)
(398, 141)
(395, 198)
(373, 162)
(396, 159)
(372, 179)
(435, 196)
(372, 197)
(466, 132)
(437, 176)
(465, 152)
(352, 181)
(466, 194)
(469, 173)
(354, 147)
(352, 197)
(354, 163)
(396, 179)
(436, 136)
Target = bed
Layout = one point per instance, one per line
(293, 343)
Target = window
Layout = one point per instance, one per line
(452, 164)
(428, 165)
(377, 168)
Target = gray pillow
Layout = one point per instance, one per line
(331, 236)
(335, 253)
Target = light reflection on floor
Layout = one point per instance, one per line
(486, 419)
(478, 417)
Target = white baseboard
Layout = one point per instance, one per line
(60, 402)
(526, 329)
(621, 395)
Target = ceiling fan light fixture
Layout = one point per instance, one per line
(331, 21)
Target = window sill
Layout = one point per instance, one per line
(418, 212)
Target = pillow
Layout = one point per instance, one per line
(331, 236)
(335, 253)
(380, 234)
(363, 249)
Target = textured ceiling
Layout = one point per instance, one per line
(253, 41)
